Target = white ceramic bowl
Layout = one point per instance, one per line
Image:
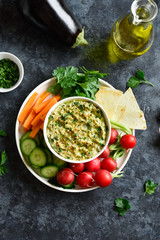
(71, 99)
(6, 55)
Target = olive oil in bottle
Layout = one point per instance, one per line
(133, 34)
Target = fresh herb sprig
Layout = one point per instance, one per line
(9, 73)
(122, 205)
(150, 187)
(134, 81)
(72, 83)
(4, 158)
(3, 133)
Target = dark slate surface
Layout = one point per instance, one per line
(31, 210)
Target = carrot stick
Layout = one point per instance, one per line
(25, 130)
(31, 114)
(41, 127)
(37, 119)
(27, 107)
(35, 130)
(44, 95)
(43, 117)
(58, 97)
(27, 123)
(41, 105)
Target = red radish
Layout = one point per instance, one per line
(103, 178)
(128, 141)
(85, 179)
(114, 135)
(105, 153)
(109, 164)
(65, 176)
(77, 167)
(94, 165)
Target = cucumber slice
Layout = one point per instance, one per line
(54, 181)
(69, 186)
(34, 166)
(44, 144)
(49, 171)
(49, 155)
(27, 145)
(38, 157)
(27, 135)
(60, 163)
(37, 139)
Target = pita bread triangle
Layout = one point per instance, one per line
(128, 112)
(108, 98)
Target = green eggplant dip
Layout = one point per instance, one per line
(77, 130)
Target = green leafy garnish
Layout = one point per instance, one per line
(3, 133)
(4, 158)
(116, 150)
(134, 81)
(9, 73)
(122, 205)
(150, 187)
(72, 83)
(3, 170)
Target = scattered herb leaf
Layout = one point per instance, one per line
(122, 205)
(134, 81)
(3, 133)
(150, 187)
(4, 158)
(3, 170)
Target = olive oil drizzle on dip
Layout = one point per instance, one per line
(77, 130)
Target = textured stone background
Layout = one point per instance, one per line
(31, 210)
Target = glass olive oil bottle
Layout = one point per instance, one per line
(133, 34)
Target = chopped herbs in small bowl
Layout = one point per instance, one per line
(11, 72)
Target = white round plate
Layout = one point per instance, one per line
(19, 132)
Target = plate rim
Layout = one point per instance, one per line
(41, 179)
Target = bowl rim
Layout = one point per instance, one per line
(72, 99)
(18, 62)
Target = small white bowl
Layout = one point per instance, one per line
(13, 58)
(71, 99)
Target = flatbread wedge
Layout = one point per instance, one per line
(108, 98)
(128, 112)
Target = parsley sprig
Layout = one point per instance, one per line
(122, 205)
(134, 81)
(72, 83)
(3, 133)
(150, 187)
(4, 158)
